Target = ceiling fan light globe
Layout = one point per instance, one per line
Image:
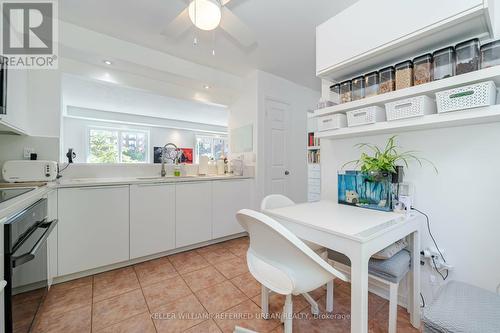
(204, 14)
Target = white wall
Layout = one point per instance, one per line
(44, 103)
(462, 200)
(93, 94)
(250, 109)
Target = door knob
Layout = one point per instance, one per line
(287, 172)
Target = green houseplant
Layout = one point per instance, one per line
(385, 160)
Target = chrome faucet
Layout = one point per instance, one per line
(174, 159)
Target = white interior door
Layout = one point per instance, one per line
(277, 123)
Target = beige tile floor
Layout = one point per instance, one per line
(203, 290)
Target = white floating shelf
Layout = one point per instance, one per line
(429, 89)
(449, 119)
(312, 147)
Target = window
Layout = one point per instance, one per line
(106, 145)
(212, 146)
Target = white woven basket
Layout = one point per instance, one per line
(468, 97)
(410, 107)
(365, 116)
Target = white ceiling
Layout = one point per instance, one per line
(284, 29)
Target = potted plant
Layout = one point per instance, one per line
(386, 161)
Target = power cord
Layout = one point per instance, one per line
(423, 301)
(444, 277)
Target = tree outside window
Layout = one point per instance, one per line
(211, 146)
(117, 146)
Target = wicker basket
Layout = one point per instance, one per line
(468, 97)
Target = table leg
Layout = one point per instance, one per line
(359, 293)
(414, 292)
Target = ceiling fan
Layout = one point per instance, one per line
(208, 15)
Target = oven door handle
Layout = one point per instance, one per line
(24, 258)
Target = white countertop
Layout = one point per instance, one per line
(16, 204)
(328, 216)
(81, 182)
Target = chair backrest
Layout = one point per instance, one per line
(275, 201)
(280, 260)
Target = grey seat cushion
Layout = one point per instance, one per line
(392, 270)
(462, 308)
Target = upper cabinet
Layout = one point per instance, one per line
(371, 34)
(15, 121)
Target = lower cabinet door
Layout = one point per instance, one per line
(152, 219)
(228, 198)
(193, 211)
(93, 228)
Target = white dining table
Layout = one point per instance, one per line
(358, 233)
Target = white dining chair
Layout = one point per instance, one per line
(281, 262)
(388, 271)
(277, 201)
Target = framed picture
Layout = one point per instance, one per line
(186, 156)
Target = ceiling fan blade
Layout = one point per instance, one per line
(179, 25)
(236, 28)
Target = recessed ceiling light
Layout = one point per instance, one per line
(107, 62)
(206, 86)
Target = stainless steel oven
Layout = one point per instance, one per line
(25, 267)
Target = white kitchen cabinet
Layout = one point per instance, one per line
(152, 219)
(15, 121)
(52, 239)
(229, 196)
(93, 227)
(370, 33)
(193, 213)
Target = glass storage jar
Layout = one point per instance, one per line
(345, 91)
(358, 88)
(444, 63)
(404, 74)
(422, 69)
(467, 54)
(490, 54)
(335, 93)
(371, 84)
(386, 80)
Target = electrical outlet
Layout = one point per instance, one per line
(28, 151)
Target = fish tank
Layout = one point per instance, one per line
(366, 190)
